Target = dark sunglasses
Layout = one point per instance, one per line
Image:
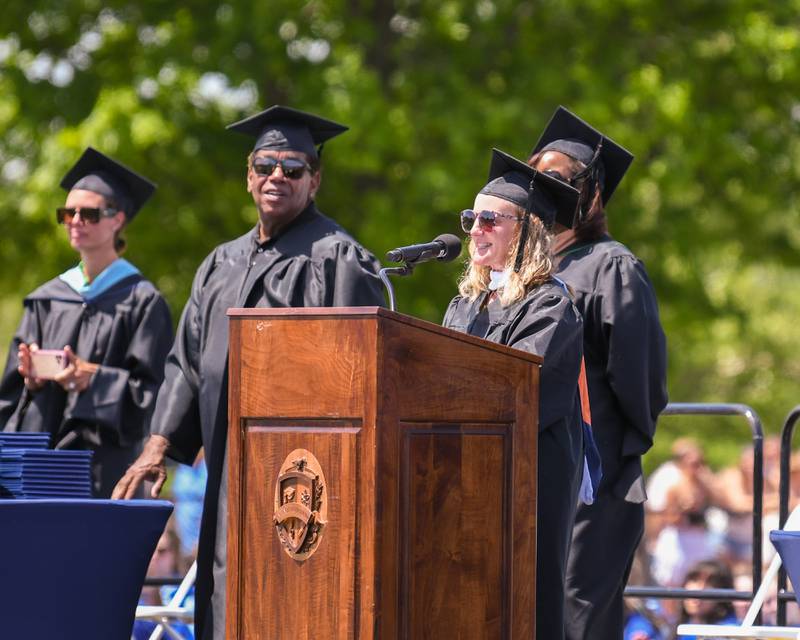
(293, 168)
(486, 219)
(572, 181)
(65, 215)
(557, 175)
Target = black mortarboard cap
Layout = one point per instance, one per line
(550, 199)
(283, 128)
(570, 135)
(95, 171)
(546, 197)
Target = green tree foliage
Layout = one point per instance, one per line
(704, 93)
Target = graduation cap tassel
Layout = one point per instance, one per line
(526, 222)
(591, 167)
(523, 238)
(591, 170)
(597, 151)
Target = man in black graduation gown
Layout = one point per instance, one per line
(115, 323)
(625, 354)
(295, 257)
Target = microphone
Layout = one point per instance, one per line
(444, 248)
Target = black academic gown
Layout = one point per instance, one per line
(127, 330)
(312, 263)
(546, 323)
(625, 354)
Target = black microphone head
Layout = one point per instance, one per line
(395, 255)
(452, 246)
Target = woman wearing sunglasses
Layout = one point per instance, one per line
(508, 295)
(88, 356)
(625, 351)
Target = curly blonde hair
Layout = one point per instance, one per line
(536, 269)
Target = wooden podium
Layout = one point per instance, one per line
(382, 479)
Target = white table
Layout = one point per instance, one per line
(735, 631)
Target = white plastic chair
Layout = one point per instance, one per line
(746, 629)
(172, 610)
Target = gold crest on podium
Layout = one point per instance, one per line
(301, 504)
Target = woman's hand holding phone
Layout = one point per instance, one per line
(62, 366)
(77, 375)
(25, 367)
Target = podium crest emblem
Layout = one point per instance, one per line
(301, 504)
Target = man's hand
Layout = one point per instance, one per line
(148, 466)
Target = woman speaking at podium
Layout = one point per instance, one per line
(508, 295)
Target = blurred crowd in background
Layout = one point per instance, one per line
(699, 535)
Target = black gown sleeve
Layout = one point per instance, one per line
(12, 386)
(636, 347)
(177, 414)
(451, 316)
(349, 277)
(122, 398)
(550, 326)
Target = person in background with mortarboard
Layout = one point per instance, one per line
(112, 324)
(294, 257)
(508, 295)
(626, 364)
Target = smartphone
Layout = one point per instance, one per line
(48, 363)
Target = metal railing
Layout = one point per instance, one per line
(718, 409)
(783, 509)
(162, 582)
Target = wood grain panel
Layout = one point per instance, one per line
(282, 597)
(321, 371)
(445, 376)
(454, 519)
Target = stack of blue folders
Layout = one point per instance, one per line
(28, 469)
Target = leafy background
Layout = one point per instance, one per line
(705, 93)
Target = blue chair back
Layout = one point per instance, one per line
(75, 568)
(787, 544)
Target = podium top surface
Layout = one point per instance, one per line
(378, 312)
